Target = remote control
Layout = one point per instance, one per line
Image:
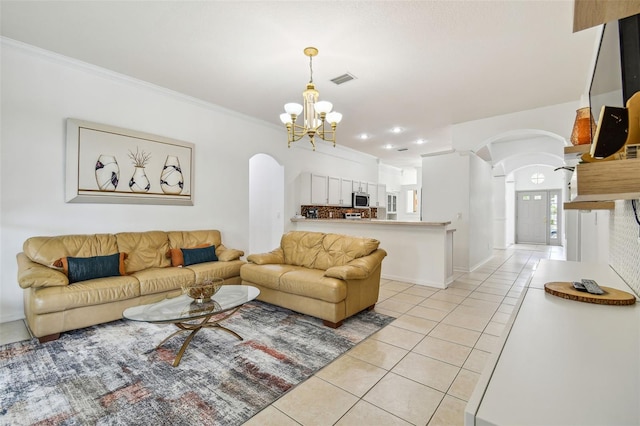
(579, 286)
(592, 286)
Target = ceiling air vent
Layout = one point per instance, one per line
(343, 78)
(403, 149)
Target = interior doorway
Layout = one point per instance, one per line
(538, 218)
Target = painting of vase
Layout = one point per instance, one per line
(107, 173)
(139, 181)
(171, 179)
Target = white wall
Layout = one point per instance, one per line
(499, 212)
(480, 211)
(266, 203)
(556, 119)
(390, 176)
(510, 212)
(40, 90)
(552, 180)
(445, 190)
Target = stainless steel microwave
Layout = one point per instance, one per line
(360, 200)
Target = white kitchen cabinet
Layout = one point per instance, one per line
(334, 191)
(392, 201)
(313, 189)
(339, 192)
(323, 190)
(377, 195)
(319, 189)
(346, 189)
(359, 186)
(372, 190)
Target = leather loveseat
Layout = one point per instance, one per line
(328, 276)
(148, 271)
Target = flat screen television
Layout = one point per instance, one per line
(616, 75)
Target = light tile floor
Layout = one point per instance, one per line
(422, 368)
(419, 370)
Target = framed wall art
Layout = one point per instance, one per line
(107, 164)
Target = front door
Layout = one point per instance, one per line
(538, 217)
(531, 223)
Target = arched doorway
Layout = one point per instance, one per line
(266, 203)
(515, 157)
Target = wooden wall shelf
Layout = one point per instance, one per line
(608, 180)
(577, 150)
(590, 205)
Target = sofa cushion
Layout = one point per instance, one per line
(267, 275)
(338, 250)
(312, 283)
(89, 268)
(46, 250)
(191, 239)
(175, 254)
(199, 255)
(145, 249)
(228, 255)
(158, 280)
(86, 293)
(301, 248)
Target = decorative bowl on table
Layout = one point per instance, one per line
(204, 291)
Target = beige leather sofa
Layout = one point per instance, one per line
(328, 276)
(53, 305)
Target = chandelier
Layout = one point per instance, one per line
(315, 113)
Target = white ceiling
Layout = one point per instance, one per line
(421, 65)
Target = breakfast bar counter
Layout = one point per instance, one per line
(417, 252)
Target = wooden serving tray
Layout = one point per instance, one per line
(611, 296)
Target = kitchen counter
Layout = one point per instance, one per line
(417, 252)
(561, 361)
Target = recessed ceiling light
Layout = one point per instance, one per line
(363, 136)
(421, 141)
(397, 129)
(388, 146)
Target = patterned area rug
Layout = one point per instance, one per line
(112, 373)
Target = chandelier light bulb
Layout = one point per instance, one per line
(286, 118)
(323, 107)
(293, 108)
(334, 117)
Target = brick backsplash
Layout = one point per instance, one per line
(327, 212)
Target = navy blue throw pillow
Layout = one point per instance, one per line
(199, 255)
(89, 268)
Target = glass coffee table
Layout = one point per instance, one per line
(189, 315)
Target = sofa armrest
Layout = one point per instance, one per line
(359, 268)
(32, 274)
(227, 255)
(273, 257)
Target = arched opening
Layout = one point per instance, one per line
(516, 156)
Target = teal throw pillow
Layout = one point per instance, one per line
(89, 268)
(199, 255)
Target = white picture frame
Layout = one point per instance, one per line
(106, 164)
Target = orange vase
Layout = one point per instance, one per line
(583, 127)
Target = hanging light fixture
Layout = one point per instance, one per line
(315, 113)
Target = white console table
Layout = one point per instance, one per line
(563, 362)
